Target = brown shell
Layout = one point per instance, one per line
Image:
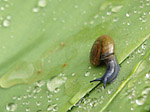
(102, 49)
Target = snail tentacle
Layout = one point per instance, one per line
(99, 79)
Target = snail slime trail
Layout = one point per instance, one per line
(103, 50)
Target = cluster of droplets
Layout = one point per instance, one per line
(35, 92)
(143, 15)
(99, 18)
(141, 100)
(40, 4)
(142, 48)
(138, 97)
(31, 92)
(147, 78)
(5, 20)
(87, 104)
(5, 5)
(140, 51)
(110, 9)
(52, 108)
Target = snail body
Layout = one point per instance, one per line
(103, 50)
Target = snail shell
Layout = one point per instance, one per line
(103, 50)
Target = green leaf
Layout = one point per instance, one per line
(131, 92)
(45, 48)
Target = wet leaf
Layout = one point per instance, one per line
(47, 42)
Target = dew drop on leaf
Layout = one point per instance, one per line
(6, 23)
(2, 8)
(127, 15)
(54, 83)
(147, 76)
(87, 74)
(40, 83)
(146, 91)
(42, 3)
(11, 107)
(35, 9)
(116, 8)
(38, 103)
(28, 109)
(140, 100)
(76, 6)
(52, 107)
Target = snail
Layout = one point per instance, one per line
(103, 50)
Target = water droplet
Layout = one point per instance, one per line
(115, 19)
(127, 15)
(96, 16)
(14, 97)
(54, 19)
(76, 6)
(34, 96)
(19, 98)
(128, 24)
(42, 3)
(11, 107)
(38, 103)
(132, 108)
(8, 17)
(25, 96)
(143, 46)
(49, 100)
(109, 91)
(18, 74)
(146, 91)
(6, 23)
(87, 74)
(28, 89)
(27, 109)
(27, 102)
(57, 99)
(91, 22)
(52, 107)
(108, 13)
(147, 76)
(35, 9)
(135, 11)
(49, 95)
(85, 23)
(84, 12)
(56, 90)
(116, 8)
(40, 83)
(140, 100)
(55, 83)
(127, 43)
(89, 68)
(73, 74)
(2, 8)
(30, 95)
